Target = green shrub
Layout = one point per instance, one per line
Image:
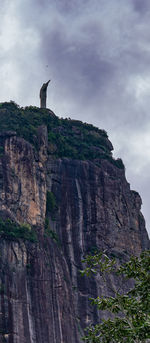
(13, 232)
(119, 163)
(50, 233)
(51, 206)
(1, 151)
(72, 138)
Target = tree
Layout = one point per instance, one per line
(129, 321)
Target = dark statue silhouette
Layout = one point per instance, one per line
(43, 94)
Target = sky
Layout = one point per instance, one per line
(97, 55)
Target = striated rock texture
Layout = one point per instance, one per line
(23, 181)
(36, 295)
(43, 298)
(96, 210)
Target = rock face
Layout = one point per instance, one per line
(43, 298)
(23, 180)
(96, 210)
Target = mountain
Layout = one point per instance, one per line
(62, 196)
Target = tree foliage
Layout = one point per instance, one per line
(129, 321)
(66, 138)
(12, 231)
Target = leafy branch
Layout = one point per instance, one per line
(130, 311)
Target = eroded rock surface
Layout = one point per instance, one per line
(35, 295)
(96, 210)
(43, 297)
(23, 180)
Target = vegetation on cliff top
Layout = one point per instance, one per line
(67, 138)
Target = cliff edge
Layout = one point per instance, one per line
(62, 196)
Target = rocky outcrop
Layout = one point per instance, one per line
(43, 297)
(96, 210)
(23, 180)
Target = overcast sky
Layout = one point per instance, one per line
(97, 54)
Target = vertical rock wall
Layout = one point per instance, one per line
(96, 210)
(35, 295)
(23, 181)
(43, 297)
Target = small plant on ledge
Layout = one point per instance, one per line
(13, 232)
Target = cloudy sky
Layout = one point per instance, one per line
(97, 54)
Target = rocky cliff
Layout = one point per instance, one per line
(62, 195)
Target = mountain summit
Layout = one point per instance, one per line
(62, 196)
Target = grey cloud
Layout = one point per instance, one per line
(97, 54)
(141, 6)
(77, 63)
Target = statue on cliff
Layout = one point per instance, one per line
(43, 94)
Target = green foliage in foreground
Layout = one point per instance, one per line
(131, 311)
(13, 232)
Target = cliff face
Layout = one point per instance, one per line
(23, 181)
(43, 297)
(35, 283)
(96, 210)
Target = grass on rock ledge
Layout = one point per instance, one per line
(13, 232)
